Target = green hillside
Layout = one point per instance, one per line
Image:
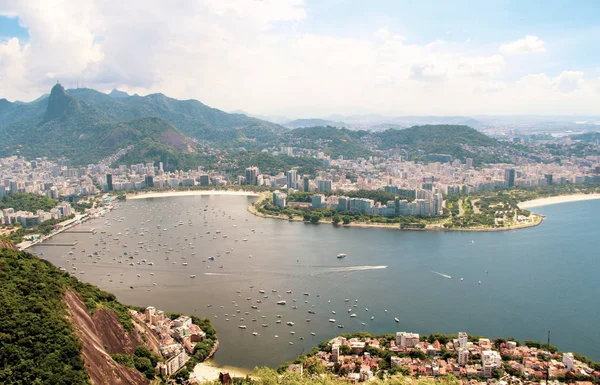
(459, 141)
(332, 141)
(85, 134)
(37, 342)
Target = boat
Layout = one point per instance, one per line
(341, 255)
(313, 334)
(311, 311)
(331, 320)
(290, 323)
(372, 318)
(341, 326)
(261, 291)
(264, 325)
(242, 326)
(332, 312)
(193, 276)
(352, 315)
(254, 334)
(278, 321)
(281, 302)
(397, 320)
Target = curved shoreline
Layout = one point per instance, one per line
(558, 200)
(395, 226)
(169, 194)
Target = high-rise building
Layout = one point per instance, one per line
(509, 177)
(279, 199)
(292, 179)
(407, 340)
(252, 175)
(548, 179)
(306, 184)
(109, 182)
(463, 356)
(204, 180)
(149, 181)
(490, 360)
(469, 162)
(463, 339)
(324, 185)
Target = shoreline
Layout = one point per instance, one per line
(209, 371)
(395, 226)
(558, 200)
(169, 194)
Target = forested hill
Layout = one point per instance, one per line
(86, 125)
(57, 330)
(459, 141)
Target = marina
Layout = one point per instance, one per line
(390, 283)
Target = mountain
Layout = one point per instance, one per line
(298, 123)
(118, 94)
(191, 117)
(457, 140)
(60, 104)
(332, 141)
(58, 330)
(86, 125)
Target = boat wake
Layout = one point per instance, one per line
(442, 275)
(356, 268)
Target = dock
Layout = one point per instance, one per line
(75, 231)
(58, 244)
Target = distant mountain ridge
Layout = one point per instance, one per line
(300, 123)
(86, 125)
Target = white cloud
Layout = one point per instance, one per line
(428, 72)
(254, 56)
(528, 45)
(568, 81)
(489, 86)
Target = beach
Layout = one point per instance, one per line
(208, 371)
(167, 194)
(557, 200)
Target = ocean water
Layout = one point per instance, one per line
(514, 284)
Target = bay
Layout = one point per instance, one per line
(532, 280)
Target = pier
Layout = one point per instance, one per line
(74, 231)
(58, 244)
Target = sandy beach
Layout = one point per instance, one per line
(167, 194)
(208, 371)
(557, 200)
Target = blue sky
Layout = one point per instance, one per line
(9, 27)
(314, 58)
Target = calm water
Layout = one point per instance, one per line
(532, 280)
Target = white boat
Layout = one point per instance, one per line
(341, 255)
(352, 315)
(397, 320)
(254, 334)
(193, 276)
(331, 320)
(281, 302)
(290, 323)
(242, 326)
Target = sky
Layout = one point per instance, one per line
(313, 58)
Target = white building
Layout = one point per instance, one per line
(407, 340)
(463, 356)
(490, 360)
(569, 360)
(463, 339)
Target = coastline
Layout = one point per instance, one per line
(209, 371)
(394, 226)
(558, 200)
(168, 194)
